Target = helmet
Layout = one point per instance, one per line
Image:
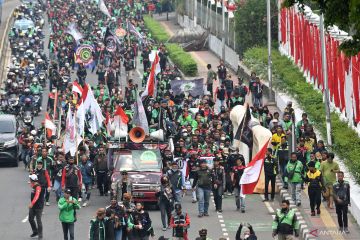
(27, 100)
(35, 80)
(33, 132)
(27, 91)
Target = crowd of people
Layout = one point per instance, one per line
(204, 133)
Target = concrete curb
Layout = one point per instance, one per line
(304, 229)
(4, 47)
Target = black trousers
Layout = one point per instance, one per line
(210, 87)
(341, 211)
(314, 198)
(36, 226)
(68, 229)
(218, 197)
(102, 182)
(271, 179)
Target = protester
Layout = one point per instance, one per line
(101, 169)
(285, 223)
(177, 181)
(329, 168)
(218, 183)
(36, 207)
(180, 222)
(248, 234)
(202, 184)
(236, 174)
(294, 170)
(101, 227)
(86, 168)
(270, 170)
(166, 201)
(44, 180)
(116, 213)
(68, 206)
(341, 190)
(71, 178)
(139, 224)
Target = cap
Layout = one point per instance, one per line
(39, 161)
(68, 191)
(33, 177)
(164, 101)
(311, 164)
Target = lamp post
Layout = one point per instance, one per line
(326, 87)
(268, 16)
(223, 31)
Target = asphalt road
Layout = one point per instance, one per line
(15, 193)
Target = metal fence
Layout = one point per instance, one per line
(209, 17)
(4, 46)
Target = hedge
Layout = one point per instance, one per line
(288, 78)
(181, 59)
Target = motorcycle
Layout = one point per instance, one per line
(13, 107)
(28, 119)
(42, 78)
(37, 104)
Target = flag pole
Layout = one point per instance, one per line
(55, 104)
(76, 138)
(45, 136)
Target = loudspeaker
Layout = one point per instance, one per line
(158, 135)
(137, 134)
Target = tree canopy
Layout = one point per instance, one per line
(343, 13)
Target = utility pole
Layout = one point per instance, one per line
(195, 12)
(268, 16)
(223, 31)
(326, 87)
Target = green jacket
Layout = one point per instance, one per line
(67, 210)
(298, 171)
(36, 89)
(285, 223)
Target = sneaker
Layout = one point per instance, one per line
(318, 211)
(298, 204)
(164, 229)
(313, 213)
(33, 235)
(206, 214)
(200, 215)
(47, 204)
(266, 200)
(341, 229)
(243, 211)
(220, 210)
(193, 201)
(229, 194)
(271, 200)
(346, 230)
(85, 204)
(80, 199)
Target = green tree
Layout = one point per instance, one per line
(343, 13)
(251, 24)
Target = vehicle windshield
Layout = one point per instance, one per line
(138, 160)
(7, 126)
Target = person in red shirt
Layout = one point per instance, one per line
(72, 178)
(36, 206)
(180, 223)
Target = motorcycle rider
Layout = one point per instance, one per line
(36, 89)
(26, 95)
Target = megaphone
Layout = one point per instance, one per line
(137, 134)
(158, 135)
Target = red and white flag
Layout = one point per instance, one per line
(120, 123)
(50, 126)
(252, 172)
(77, 88)
(150, 85)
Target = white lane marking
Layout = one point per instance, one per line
(221, 221)
(25, 219)
(224, 230)
(222, 225)
(268, 206)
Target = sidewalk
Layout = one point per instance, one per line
(320, 227)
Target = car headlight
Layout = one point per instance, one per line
(11, 143)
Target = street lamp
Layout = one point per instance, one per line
(268, 16)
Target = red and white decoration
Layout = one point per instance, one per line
(299, 39)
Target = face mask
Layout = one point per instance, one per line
(283, 210)
(222, 138)
(246, 236)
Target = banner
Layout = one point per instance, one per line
(83, 54)
(193, 87)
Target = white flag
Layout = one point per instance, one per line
(103, 8)
(72, 30)
(72, 139)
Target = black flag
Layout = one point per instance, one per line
(110, 41)
(244, 132)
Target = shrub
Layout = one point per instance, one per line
(288, 78)
(182, 59)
